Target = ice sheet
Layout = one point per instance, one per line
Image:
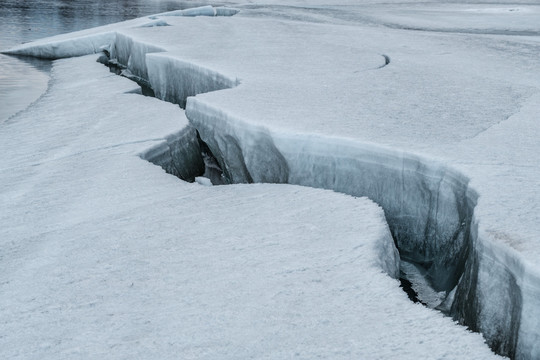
(106, 255)
(440, 126)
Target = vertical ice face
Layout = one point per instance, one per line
(175, 80)
(489, 299)
(429, 208)
(180, 155)
(244, 159)
(132, 54)
(427, 205)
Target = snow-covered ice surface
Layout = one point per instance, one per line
(104, 255)
(438, 125)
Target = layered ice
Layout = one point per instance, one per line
(175, 80)
(131, 54)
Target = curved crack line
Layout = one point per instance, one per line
(386, 60)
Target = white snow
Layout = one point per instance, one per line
(201, 180)
(439, 127)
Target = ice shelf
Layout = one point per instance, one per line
(443, 138)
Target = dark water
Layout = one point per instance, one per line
(22, 81)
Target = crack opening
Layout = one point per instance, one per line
(210, 173)
(431, 223)
(415, 273)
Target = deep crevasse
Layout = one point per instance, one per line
(429, 207)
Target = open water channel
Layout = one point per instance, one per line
(23, 80)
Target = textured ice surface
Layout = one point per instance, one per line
(105, 255)
(444, 136)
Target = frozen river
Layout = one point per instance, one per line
(22, 81)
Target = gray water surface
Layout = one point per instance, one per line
(23, 80)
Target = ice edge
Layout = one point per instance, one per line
(428, 205)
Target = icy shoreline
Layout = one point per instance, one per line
(430, 206)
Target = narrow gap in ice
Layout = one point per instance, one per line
(122, 70)
(212, 174)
